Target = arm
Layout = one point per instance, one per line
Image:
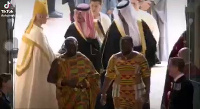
(53, 76)
(92, 82)
(93, 77)
(146, 73)
(109, 76)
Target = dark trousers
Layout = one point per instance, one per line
(71, 7)
(109, 104)
(71, 4)
(51, 5)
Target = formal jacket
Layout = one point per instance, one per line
(4, 102)
(177, 46)
(89, 47)
(181, 96)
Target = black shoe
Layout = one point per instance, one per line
(158, 62)
(55, 14)
(59, 12)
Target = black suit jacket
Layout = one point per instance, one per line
(4, 102)
(181, 96)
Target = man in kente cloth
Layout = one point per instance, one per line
(126, 23)
(83, 30)
(75, 77)
(130, 73)
(174, 53)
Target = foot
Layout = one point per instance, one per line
(55, 14)
(59, 12)
(158, 62)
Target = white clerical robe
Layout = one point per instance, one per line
(32, 91)
(105, 22)
(151, 22)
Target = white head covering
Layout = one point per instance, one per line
(130, 15)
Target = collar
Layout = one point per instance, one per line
(37, 27)
(179, 76)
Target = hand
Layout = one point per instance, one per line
(109, 12)
(146, 98)
(103, 99)
(57, 55)
(83, 84)
(146, 104)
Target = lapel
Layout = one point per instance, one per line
(178, 84)
(120, 28)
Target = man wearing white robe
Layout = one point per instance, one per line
(33, 64)
(151, 22)
(105, 21)
(145, 5)
(141, 7)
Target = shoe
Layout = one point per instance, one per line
(158, 62)
(55, 14)
(59, 12)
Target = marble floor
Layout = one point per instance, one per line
(55, 30)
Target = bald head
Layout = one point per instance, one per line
(185, 54)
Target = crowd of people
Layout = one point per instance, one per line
(101, 64)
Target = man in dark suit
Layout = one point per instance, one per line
(181, 95)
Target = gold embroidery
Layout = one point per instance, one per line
(26, 59)
(97, 28)
(143, 42)
(24, 66)
(78, 29)
(120, 29)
